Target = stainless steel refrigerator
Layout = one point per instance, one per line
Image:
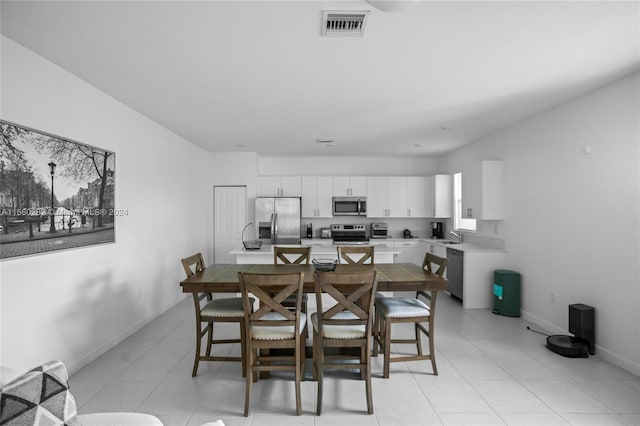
(278, 219)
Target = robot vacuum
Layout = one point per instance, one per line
(568, 346)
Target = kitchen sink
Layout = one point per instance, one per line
(450, 242)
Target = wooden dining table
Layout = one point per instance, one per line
(223, 278)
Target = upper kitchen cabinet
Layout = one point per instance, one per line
(482, 190)
(416, 196)
(316, 196)
(349, 186)
(439, 196)
(279, 186)
(387, 196)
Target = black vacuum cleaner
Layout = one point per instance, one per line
(582, 326)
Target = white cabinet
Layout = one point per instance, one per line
(396, 196)
(439, 196)
(417, 196)
(279, 186)
(387, 196)
(482, 190)
(377, 196)
(349, 186)
(316, 196)
(410, 252)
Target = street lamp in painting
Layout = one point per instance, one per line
(52, 169)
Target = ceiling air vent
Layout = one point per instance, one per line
(344, 23)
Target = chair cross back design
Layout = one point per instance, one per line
(273, 325)
(391, 310)
(346, 324)
(214, 310)
(270, 303)
(280, 253)
(345, 303)
(432, 259)
(345, 253)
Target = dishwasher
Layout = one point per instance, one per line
(454, 272)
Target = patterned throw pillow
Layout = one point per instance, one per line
(39, 397)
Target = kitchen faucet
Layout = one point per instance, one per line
(458, 235)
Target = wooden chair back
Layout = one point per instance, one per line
(351, 292)
(432, 262)
(271, 290)
(193, 264)
(440, 262)
(280, 254)
(345, 254)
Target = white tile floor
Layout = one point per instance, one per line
(492, 372)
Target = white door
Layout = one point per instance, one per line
(230, 217)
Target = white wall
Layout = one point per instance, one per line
(572, 220)
(73, 305)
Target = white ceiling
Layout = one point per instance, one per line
(256, 75)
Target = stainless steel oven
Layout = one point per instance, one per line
(349, 206)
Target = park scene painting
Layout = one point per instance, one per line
(55, 193)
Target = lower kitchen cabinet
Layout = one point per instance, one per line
(410, 252)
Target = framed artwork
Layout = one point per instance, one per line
(55, 193)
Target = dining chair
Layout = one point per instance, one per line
(346, 254)
(347, 323)
(273, 326)
(210, 311)
(418, 310)
(287, 256)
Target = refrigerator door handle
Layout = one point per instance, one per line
(274, 224)
(272, 227)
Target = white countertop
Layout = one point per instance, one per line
(391, 242)
(470, 247)
(316, 251)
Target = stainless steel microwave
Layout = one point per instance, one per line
(349, 206)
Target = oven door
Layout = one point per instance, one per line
(349, 206)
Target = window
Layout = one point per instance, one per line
(458, 221)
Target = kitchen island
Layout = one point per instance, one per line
(264, 255)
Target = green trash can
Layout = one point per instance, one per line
(506, 293)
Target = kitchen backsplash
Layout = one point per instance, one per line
(488, 234)
(419, 227)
